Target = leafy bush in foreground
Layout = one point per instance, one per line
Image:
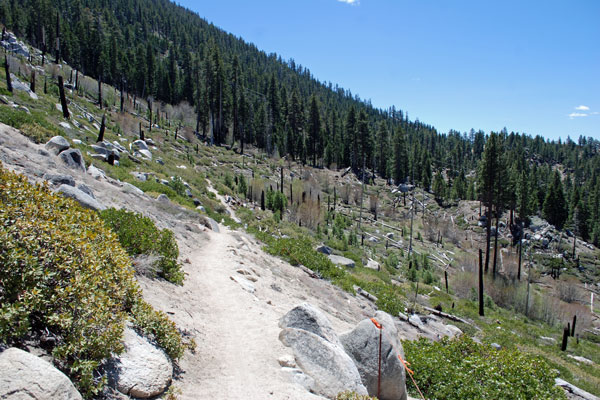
(138, 235)
(463, 369)
(64, 275)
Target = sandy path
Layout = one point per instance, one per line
(236, 332)
(239, 333)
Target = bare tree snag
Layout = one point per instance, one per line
(32, 83)
(100, 92)
(102, 128)
(481, 311)
(63, 99)
(7, 70)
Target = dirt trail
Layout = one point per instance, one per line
(236, 331)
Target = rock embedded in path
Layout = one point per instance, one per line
(73, 158)
(25, 376)
(59, 179)
(362, 345)
(163, 198)
(82, 198)
(96, 173)
(142, 371)
(86, 189)
(343, 261)
(57, 144)
(244, 283)
(209, 223)
(332, 370)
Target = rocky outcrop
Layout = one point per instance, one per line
(81, 197)
(73, 158)
(327, 364)
(142, 371)
(362, 344)
(25, 376)
(57, 144)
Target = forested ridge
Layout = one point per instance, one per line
(159, 51)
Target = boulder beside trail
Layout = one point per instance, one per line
(362, 345)
(57, 144)
(81, 197)
(332, 370)
(73, 158)
(25, 376)
(309, 318)
(142, 371)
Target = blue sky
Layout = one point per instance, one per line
(529, 66)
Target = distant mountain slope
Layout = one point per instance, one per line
(159, 51)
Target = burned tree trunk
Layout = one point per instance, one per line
(565, 339)
(7, 70)
(481, 311)
(63, 99)
(102, 128)
(100, 92)
(496, 244)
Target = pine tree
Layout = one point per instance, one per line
(400, 170)
(486, 185)
(555, 206)
(439, 187)
(314, 129)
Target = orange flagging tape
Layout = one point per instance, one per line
(410, 373)
(377, 324)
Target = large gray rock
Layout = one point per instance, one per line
(57, 144)
(81, 197)
(145, 154)
(25, 376)
(362, 345)
(325, 250)
(163, 198)
(142, 370)
(343, 261)
(139, 145)
(327, 364)
(209, 223)
(311, 319)
(59, 179)
(73, 158)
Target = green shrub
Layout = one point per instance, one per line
(276, 201)
(177, 185)
(32, 125)
(353, 396)
(138, 235)
(463, 369)
(65, 275)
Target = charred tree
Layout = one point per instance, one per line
(63, 99)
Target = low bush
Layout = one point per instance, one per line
(463, 369)
(138, 235)
(65, 277)
(32, 125)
